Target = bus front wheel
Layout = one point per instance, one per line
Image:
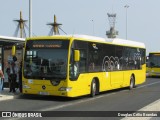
(132, 83)
(93, 88)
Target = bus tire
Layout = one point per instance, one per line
(132, 83)
(93, 88)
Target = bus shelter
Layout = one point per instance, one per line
(6, 44)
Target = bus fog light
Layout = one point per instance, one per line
(65, 89)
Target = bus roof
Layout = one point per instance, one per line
(154, 52)
(116, 41)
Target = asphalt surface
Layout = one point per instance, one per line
(144, 97)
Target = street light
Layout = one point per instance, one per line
(93, 26)
(126, 6)
(30, 18)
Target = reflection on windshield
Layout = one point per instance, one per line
(154, 61)
(46, 63)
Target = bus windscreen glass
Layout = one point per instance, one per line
(46, 59)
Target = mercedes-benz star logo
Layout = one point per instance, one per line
(43, 87)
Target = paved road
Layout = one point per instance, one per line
(116, 100)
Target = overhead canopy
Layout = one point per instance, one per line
(7, 41)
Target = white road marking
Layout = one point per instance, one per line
(91, 99)
(148, 84)
(74, 103)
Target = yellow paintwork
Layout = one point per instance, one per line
(76, 55)
(13, 50)
(82, 86)
(153, 71)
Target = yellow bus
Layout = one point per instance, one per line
(154, 64)
(77, 65)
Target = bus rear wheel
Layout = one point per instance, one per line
(93, 88)
(132, 83)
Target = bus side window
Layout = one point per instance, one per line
(95, 57)
(74, 67)
(118, 58)
(81, 65)
(83, 61)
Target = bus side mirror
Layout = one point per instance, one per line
(14, 53)
(76, 55)
(13, 50)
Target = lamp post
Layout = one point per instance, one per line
(126, 6)
(30, 18)
(93, 26)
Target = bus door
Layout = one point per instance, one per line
(78, 69)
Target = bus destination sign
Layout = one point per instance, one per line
(49, 44)
(46, 46)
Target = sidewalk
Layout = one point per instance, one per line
(5, 94)
(155, 106)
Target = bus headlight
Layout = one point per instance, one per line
(26, 87)
(65, 89)
(55, 82)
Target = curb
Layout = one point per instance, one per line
(151, 107)
(6, 95)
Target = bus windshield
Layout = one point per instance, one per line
(46, 59)
(154, 60)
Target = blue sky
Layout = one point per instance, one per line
(77, 15)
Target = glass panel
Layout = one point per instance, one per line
(95, 57)
(154, 60)
(119, 58)
(78, 67)
(46, 62)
